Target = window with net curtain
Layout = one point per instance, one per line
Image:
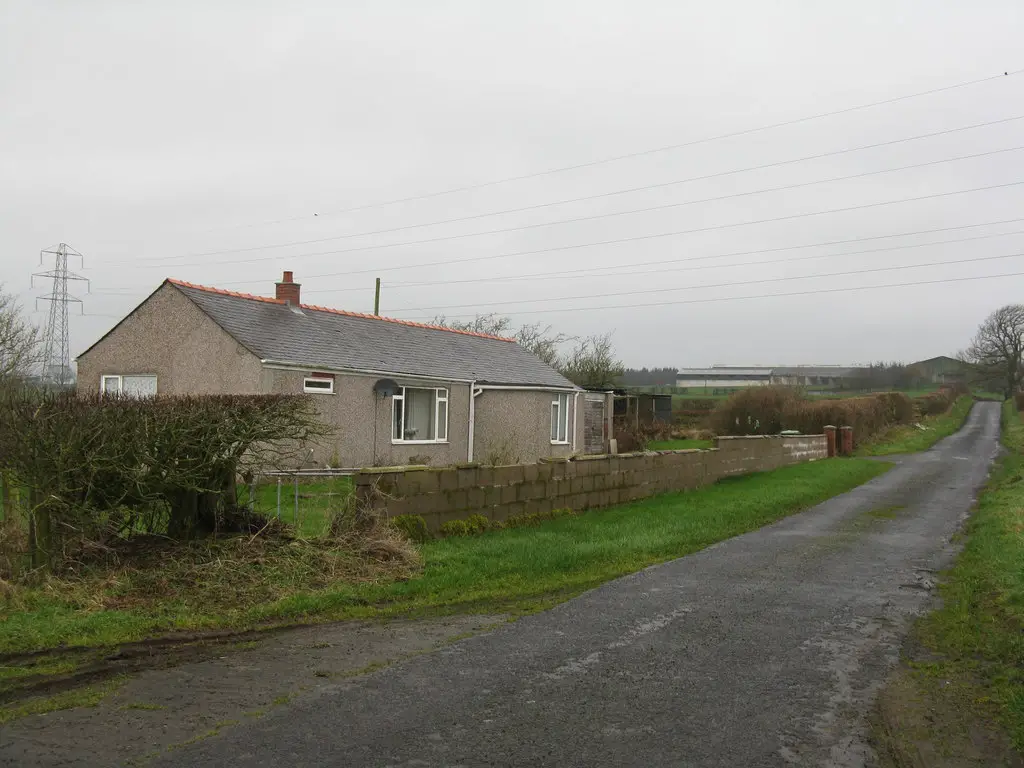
(420, 416)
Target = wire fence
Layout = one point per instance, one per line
(306, 498)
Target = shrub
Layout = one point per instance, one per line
(867, 416)
(936, 402)
(1018, 400)
(413, 527)
(900, 407)
(455, 528)
(754, 411)
(477, 524)
(769, 410)
(101, 467)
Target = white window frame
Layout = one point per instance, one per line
(560, 419)
(120, 381)
(440, 425)
(317, 390)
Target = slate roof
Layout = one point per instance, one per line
(319, 337)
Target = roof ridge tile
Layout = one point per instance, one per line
(331, 310)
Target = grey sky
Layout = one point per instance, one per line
(143, 133)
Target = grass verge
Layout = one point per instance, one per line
(965, 670)
(908, 438)
(515, 570)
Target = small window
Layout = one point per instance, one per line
(419, 416)
(130, 385)
(560, 419)
(318, 385)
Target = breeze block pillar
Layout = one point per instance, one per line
(846, 441)
(830, 437)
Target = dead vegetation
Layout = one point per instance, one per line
(226, 573)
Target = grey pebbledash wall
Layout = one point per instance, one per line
(584, 482)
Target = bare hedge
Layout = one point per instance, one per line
(754, 411)
(770, 410)
(935, 403)
(100, 466)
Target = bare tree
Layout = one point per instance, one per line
(997, 351)
(592, 363)
(539, 339)
(20, 349)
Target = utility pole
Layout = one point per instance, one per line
(56, 370)
(376, 298)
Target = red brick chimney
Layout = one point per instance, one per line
(288, 290)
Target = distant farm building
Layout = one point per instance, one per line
(724, 377)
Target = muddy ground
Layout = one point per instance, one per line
(161, 709)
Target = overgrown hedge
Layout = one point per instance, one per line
(770, 410)
(98, 466)
(754, 411)
(935, 403)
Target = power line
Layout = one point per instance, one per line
(591, 217)
(761, 281)
(815, 292)
(588, 273)
(602, 195)
(637, 238)
(592, 271)
(574, 272)
(647, 152)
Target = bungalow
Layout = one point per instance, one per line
(393, 391)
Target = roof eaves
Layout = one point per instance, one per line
(305, 365)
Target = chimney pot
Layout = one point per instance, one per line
(288, 290)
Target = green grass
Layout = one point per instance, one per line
(515, 570)
(678, 445)
(907, 438)
(317, 499)
(978, 634)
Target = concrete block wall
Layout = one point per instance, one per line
(584, 482)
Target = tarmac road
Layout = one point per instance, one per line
(763, 650)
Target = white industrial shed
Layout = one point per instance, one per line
(730, 377)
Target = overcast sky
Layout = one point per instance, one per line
(198, 140)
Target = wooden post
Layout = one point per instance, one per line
(39, 533)
(5, 495)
